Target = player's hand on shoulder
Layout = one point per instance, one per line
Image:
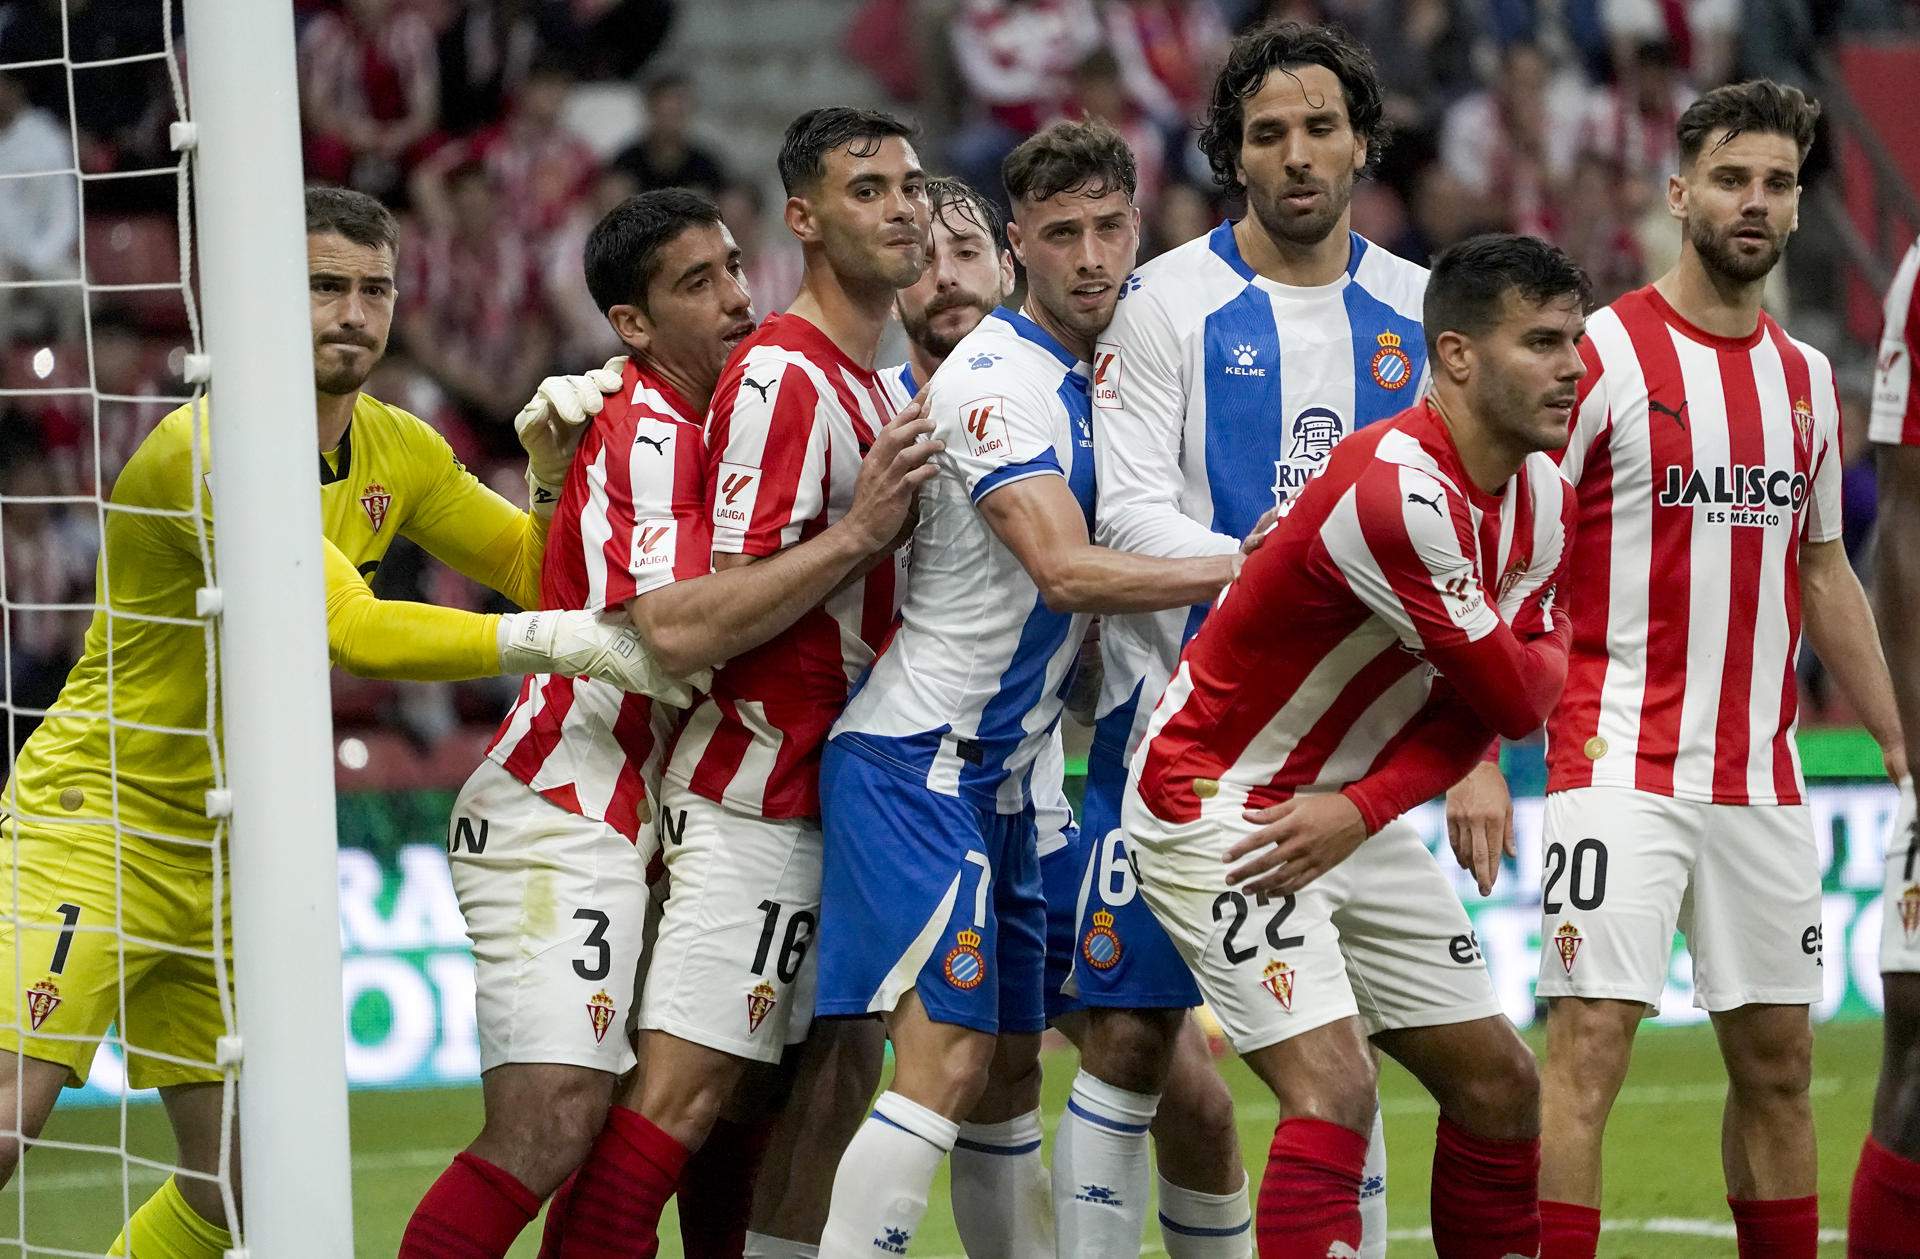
(1298, 841)
(550, 425)
(593, 644)
(896, 465)
(1480, 823)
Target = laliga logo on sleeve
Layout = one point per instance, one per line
(985, 420)
(653, 543)
(739, 486)
(1106, 377)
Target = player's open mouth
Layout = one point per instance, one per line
(737, 334)
(1091, 292)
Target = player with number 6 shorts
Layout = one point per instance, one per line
(1706, 451)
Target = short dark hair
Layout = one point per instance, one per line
(818, 132)
(623, 249)
(1756, 105)
(343, 212)
(948, 195)
(1470, 279)
(1286, 46)
(1070, 156)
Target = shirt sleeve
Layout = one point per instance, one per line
(1822, 521)
(644, 520)
(766, 459)
(1444, 741)
(471, 529)
(373, 637)
(1402, 543)
(1592, 417)
(1895, 419)
(1139, 413)
(997, 431)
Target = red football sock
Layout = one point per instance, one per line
(1486, 1195)
(1310, 1196)
(1778, 1228)
(612, 1209)
(1568, 1230)
(716, 1194)
(1884, 1217)
(474, 1211)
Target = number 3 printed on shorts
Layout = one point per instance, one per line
(1588, 866)
(596, 941)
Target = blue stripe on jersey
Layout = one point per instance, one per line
(1042, 463)
(1240, 367)
(1221, 241)
(1369, 318)
(1356, 249)
(1031, 331)
(907, 381)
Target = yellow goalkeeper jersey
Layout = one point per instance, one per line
(127, 737)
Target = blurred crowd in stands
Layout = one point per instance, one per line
(502, 129)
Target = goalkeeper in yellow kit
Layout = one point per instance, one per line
(109, 853)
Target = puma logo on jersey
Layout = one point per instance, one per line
(757, 386)
(1678, 417)
(659, 444)
(1433, 502)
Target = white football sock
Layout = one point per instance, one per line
(1195, 1225)
(880, 1191)
(1373, 1193)
(1101, 1169)
(1002, 1201)
(761, 1246)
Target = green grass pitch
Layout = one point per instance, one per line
(1664, 1192)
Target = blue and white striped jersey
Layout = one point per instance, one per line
(970, 687)
(1219, 394)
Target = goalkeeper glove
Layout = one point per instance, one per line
(552, 422)
(575, 644)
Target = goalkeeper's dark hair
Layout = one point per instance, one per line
(818, 132)
(343, 212)
(1085, 157)
(623, 249)
(1467, 289)
(957, 205)
(1288, 46)
(1738, 108)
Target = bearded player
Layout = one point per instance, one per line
(105, 824)
(1234, 365)
(562, 808)
(1706, 450)
(1884, 1216)
(730, 984)
(1398, 616)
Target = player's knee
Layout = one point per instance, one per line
(1131, 1049)
(542, 1139)
(1194, 1129)
(1774, 1069)
(1500, 1097)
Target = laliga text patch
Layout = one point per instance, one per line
(652, 544)
(1106, 376)
(734, 494)
(985, 421)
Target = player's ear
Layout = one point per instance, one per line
(800, 221)
(1006, 271)
(1453, 356)
(1677, 196)
(632, 327)
(1013, 244)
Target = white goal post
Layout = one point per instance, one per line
(296, 1187)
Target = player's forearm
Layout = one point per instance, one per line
(1157, 528)
(1511, 684)
(372, 637)
(700, 623)
(1444, 744)
(1897, 588)
(1097, 579)
(1840, 629)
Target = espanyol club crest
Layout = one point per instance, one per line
(600, 1014)
(42, 999)
(375, 500)
(1101, 947)
(964, 967)
(1567, 941)
(1909, 910)
(760, 1003)
(1277, 979)
(1392, 369)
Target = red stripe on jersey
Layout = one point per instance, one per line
(1786, 780)
(1910, 335)
(1309, 757)
(1577, 717)
(1746, 446)
(1671, 566)
(546, 731)
(1381, 505)
(632, 728)
(720, 759)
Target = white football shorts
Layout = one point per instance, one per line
(733, 965)
(556, 907)
(1624, 868)
(1900, 917)
(1382, 936)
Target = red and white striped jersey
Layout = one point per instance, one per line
(1315, 665)
(791, 419)
(1702, 463)
(632, 518)
(1896, 406)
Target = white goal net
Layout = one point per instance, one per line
(112, 943)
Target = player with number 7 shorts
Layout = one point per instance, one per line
(1396, 618)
